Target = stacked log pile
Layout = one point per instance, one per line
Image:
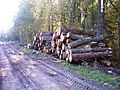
(58, 42)
(42, 41)
(73, 45)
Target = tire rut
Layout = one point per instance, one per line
(70, 80)
(20, 73)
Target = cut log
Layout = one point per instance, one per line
(63, 56)
(101, 44)
(53, 44)
(63, 47)
(53, 50)
(58, 50)
(47, 49)
(34, 38)
(88, 56)
(59, 43)
(79, 42)
(59, 32)
(106, 63)
(88, 50)
(63, 38)
(54, 37)
(82, 32)
(68, 41)
(74, 37)
(93, 44)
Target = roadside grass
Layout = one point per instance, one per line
(31, 51)
(81, 70)
(94, 75)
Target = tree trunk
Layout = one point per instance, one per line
(88, 56)
(73, 36)
(100, 27)
(72, 14)
(79, 42)
(88, 50)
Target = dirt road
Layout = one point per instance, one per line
(22, 72)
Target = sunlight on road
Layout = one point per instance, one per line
(15, 58)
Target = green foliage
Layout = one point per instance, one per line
(111, 26)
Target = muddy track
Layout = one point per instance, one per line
(1, 79)
(79, 84)
(19, 70)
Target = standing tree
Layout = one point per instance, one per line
(100, 20)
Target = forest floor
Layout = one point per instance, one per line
(28, 71)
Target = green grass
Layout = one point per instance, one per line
(93, 75)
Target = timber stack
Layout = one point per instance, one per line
(42, 41)
(73, 45)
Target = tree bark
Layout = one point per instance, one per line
(79, 42)
(100, 27)
(88, 50)
(73, 36)
(88, 56)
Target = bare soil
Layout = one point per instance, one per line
(19, 71)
